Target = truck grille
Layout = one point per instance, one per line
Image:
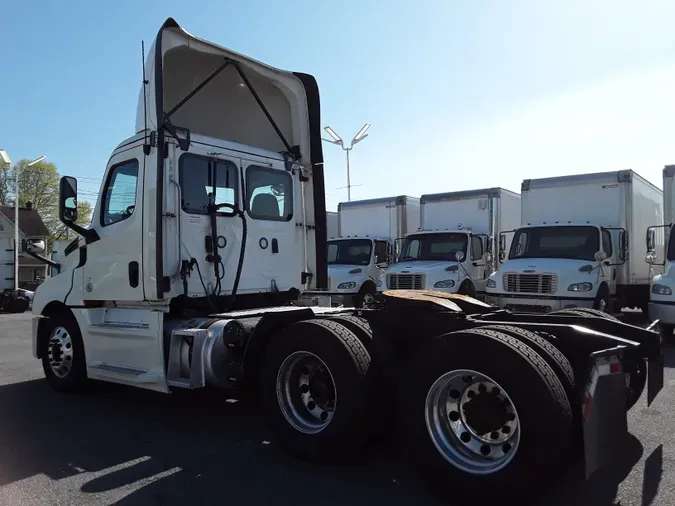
(530, 283)
(406, 281)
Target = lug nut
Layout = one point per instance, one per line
(506, 429)
(471, 394)
(495, 391)
(494, 435)
(482, 388)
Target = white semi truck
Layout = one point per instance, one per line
(210, 222)
(367, 234)
(661, 255)
(464, 223)
(581, 244)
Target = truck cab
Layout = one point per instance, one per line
(556, 266)
(355, 267)
(452, 261)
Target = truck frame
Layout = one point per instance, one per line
(329, 379)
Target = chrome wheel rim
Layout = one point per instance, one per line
(306, 392)
(60, 352)
(472, 422)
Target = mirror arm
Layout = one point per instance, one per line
(90, 235)
(44, 260)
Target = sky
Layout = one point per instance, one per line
(461, 95)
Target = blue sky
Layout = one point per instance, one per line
(460, 94)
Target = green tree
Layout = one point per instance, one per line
(39, 184)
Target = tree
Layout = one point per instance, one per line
(39, 184)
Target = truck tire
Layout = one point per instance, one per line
(17, 305)
(587, 312)
(467, 288)
(553, 356)
(366, 295)
(382, 369)
(486, 459)
(63, 359)
(312, 369)
(603, 301)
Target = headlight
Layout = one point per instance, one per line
(580, 287)
(661, 289)
(446, 283)
(346, 286)
(491, 283)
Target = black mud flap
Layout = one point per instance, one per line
(655, 367)
(605, 424)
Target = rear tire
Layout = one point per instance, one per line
(366, 295)
(543, 418)
(63, 358)
(314, 390)
(467, 289)
(587, 312)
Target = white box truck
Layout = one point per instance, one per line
(331, 224)
(367, 234)
(465, 223)
(661, 255)
(581, 244)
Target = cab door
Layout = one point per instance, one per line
(478, 267)
(114, 263)
(274, 255)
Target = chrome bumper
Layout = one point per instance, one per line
(535, 304)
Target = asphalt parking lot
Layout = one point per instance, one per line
(129, 447)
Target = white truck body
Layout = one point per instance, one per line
(367, 234)
(450, 222)
(331, 224)
(661, 247)
(550, 264)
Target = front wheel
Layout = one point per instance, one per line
(477, 429)
(63, 360)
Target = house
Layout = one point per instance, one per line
(31, 226)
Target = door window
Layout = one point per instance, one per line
(269, 194)
(607, 242)
(203, 178)
(119, 196)
(382, 252)
(476, 248)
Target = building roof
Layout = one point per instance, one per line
(30, 222)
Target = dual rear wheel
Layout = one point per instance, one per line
(482, 422)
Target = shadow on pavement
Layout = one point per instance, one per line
(216, 452)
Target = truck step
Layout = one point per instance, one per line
(196, 339)
(119, 372)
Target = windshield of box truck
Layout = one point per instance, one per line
(433, 247)
(349, 252)
(578, 243)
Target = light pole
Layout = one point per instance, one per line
(338, 140)
(5, 158)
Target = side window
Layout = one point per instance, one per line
(332, 252)
(119, 196)
(607, 242)
(202, 178)
(269, 194)
(476, 248)
(381, 251)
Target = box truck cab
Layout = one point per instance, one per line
(662, 287)
(452, 252)
(368, 230)
(580, 244)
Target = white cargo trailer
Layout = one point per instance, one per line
(581, 244)
(450, 222)
(367, 233)
(661, 255)
(331, 224)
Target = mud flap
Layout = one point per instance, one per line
(605, 424)
(655, 367)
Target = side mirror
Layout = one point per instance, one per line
(487, 257)
(651, 239)
(650, 257)
(68, 199)
(35, 246)
(600, 256)
(459, 256)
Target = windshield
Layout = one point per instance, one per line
(349, 252)
(433, 247)
(578, 243)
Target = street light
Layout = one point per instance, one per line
(5, 158)
(338, 141)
